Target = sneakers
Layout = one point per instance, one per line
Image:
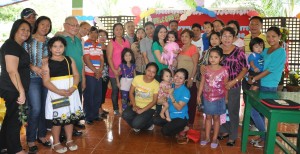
(136, 130)
(151, 127)
(204, 142)
(117, 113)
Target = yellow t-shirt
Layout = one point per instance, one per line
(144, 91)
(247, 40)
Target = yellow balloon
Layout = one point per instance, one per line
(298, 15)
(147, 13)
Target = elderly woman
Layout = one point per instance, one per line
(235, 61)
(14, 81)
(37, 49)
(143, 96)
(178, 108)
(114, 49)
(159, 40)
(188, 59)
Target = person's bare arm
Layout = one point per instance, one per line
(195, 58)
(253, 66)
(76, 75)
(200, 89)
(149, 106)
(110, 58)
(157, 54)
(12, 63)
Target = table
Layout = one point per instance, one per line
(274, 116)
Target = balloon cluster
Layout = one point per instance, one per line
(85, 18)
(140, 15)
(186, 14)
(206, 11)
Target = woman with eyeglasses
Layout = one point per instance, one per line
(235, 61)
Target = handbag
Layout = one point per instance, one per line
(126, 82)
(193, 135)
(64, 101)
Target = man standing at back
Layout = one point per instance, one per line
(146, 43)
(29, 15)
(129, 27)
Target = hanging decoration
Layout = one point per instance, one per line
(252, 13)
(210, 13)
(147, 13)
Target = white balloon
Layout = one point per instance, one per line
(183, 17)
(97, 20)
(188, 13)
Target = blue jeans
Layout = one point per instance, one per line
(115, 93)
(138, 121)
(259, 119)
(92, 97)
(36, 106)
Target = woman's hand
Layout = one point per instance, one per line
(21, 99)
(40, 72)
(63, 92)
(230, 84)
(189, 83)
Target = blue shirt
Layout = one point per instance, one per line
(274, 63)
(205, 40)
(257, 60)
(180, 94)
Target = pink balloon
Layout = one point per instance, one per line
(136, 11)
(252, 13)
(199, 2)
(137, 20)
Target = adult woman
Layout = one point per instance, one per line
(114, 49)
(37, 49)
(274, 60)
(218, 25)
(178, 100)
(93, 59)
(188, 59)
(159, 40)
(143, 96)
(14, 81)
(138, 56)
(236, 27)
(235, 61)
(84, 28)
(103, 35)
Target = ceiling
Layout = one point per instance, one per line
(9, 2)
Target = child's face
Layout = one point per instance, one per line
(127, 57)
(102, 37)
(171, 38)
(207, 28)
(57, 49)
(258, 48)
(167, 77)
(140, 34)
(214, 58)
(215, 40)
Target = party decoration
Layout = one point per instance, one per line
(252, 13)
(183, 17)
(136, 11)
(137, 20)
(85, 18)
(199, 2)
(147, 13)
(206, 11)
(298, 15)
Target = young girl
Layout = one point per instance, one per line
(212, 86)
(127, 68)
(255, 60)
(163, 93)
(61, 79)
(138, 56)
(171, 50)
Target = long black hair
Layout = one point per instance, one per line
(124, 51)
(53, 40)
(37, 22)
(156, 31)
(16, 26)
(114, 27)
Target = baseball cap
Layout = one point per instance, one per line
(27, 12)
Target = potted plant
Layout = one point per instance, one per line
(293, 83)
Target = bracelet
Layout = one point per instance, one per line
(192, 78)
(74, 86)
(236, 79)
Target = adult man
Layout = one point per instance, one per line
(129, 26)
(29, 15)
(255, 26)
(74, 49)
(146, 43)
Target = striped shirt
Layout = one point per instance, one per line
(94, 50)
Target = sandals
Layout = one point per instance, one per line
(71, 147)
(61, 150)
(182, 140)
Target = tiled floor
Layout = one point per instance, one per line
(114, 136)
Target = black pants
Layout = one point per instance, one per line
(10, 130)
(192, 103)
(170, 128)
(104, 89)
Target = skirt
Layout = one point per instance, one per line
(66, 114)
(217, 107)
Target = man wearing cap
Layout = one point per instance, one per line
(29, 15)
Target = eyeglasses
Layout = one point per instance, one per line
(101, 36)
(227, 36)
(72, 25)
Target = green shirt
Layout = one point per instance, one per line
(74, 50)
(156, 46)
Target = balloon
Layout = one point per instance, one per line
(136, 11)
(252, 13)
(97, 20)
(137, 20)
(183, 17)
(199, 2)
(298, 16)
(212, 14)
(199, 8)
(147, 13)
(189, 12)
(100, 25)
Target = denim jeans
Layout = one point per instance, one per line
(92, 97)
(115, 93)
(36, 107)
(138, 121)
(259, 119)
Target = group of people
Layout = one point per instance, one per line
(162, 76)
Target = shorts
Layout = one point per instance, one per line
(253, 74)
(216, 107)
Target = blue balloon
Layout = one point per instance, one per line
(212, 14)
(199, 8)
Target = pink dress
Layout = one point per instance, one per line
(163, 85)
(116, 55)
